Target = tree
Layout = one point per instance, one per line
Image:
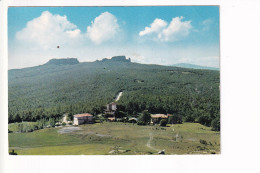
(17, 118)
(20, 126)
(52, 122)
(70, 116)
(120, 114)
(175, 119)
(189, 118)
(145, 118)
(163, 122)
(215, 124)
(205, 120)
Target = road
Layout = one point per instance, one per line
(118, 96)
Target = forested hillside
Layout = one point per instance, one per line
(52, 89)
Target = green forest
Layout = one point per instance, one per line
(50, 90)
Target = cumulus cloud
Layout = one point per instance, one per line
(48, 31)
(160, 30)
(103, 28)
(73, 33)
(155, 27)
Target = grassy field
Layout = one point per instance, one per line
(14, 127)
(117, 138)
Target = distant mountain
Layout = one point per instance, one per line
(66, 61)
(186, 65)
(115, 59)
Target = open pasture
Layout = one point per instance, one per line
(117, 139)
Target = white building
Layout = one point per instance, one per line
(111, 109)
(111, 106)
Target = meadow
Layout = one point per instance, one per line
(117, 139)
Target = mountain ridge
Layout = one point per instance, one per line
(194, 66)
(62, 61)
(114, 59)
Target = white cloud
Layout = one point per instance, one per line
(155, 27)
(48, 31)
(74, 33)
(176, 30)
(206, 24)
(103, 28)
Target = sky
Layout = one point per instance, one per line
(162, 35)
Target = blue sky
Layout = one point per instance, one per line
(152, 35)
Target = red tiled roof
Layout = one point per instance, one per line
(159, 116)
(83, 115)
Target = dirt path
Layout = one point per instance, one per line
(118, 96)
(148, 144)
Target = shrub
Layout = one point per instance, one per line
(29, 130)
(163, 123)
(35, 127)
(63, 124)
(141, 122)
(203, 142)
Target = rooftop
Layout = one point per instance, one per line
(159, 116)
(83, 115)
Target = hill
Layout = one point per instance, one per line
(49, 90)
(185, 65)
(68, 61)
(116, 58)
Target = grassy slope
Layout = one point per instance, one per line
(102, 138)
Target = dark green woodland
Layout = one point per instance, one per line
(68, 86)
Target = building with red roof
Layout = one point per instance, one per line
(85, 118)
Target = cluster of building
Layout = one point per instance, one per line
(88, 118)
(110, 110)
